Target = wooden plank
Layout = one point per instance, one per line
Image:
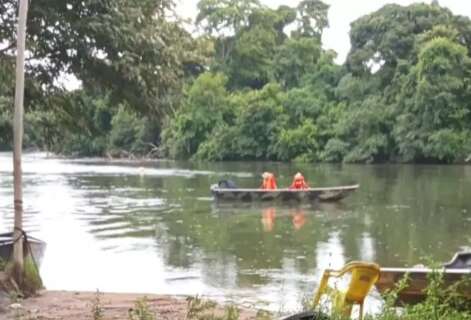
(312, 194)
(258, 190)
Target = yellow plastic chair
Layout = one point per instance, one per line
(363, 276)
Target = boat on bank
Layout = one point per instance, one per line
(457, 271)
(311, 194)
(33, 245)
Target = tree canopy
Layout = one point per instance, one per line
(255, 83)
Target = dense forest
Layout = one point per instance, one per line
(251, 83)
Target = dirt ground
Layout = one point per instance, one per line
(55, 305)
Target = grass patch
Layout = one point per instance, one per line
(3, 264)
(32, 279)
(200, 309)
(98, 312)
(441, 302)
(142, 311)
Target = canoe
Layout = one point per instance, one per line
(311, 194)
(6, 247)
(458, 269)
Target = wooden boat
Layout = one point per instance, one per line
(6, 247)
(458, 269)
(311, 194)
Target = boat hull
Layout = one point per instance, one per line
(6, 247)
(414, 292)
(312, 194)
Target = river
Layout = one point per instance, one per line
(153, 227)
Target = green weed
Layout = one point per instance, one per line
(3, 264)
(200, 309)
(97, 307)
(263, 315)
(32, 281)
(142, 311)
(441, 302)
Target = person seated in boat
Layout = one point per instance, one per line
(269, 181)
(227, 184)
(299, 182)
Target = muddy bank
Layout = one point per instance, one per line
(55, 305)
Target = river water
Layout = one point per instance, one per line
(153, 227)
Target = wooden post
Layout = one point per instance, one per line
(18, 263)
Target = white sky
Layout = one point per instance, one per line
(341, 14)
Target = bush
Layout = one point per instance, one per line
(440, 303)
(205, 106)
(299, 143)
(127, 132)
(142, 311)
(6, 128)
(335, 150)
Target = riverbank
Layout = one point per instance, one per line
(55, 305)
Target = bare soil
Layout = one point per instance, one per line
(55, 305)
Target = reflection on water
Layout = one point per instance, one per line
(298, 218)
(153, 226)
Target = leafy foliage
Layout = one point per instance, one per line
(200, 309)
(134, 53)
(206, 104)
(256, 84)
(441, 302)
(142, 310)
(402, 94)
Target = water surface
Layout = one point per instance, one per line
(153, 227)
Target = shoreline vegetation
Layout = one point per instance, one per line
(440, 303)
(255, 83)
(48, 305)
(127, 157)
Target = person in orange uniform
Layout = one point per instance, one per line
(269, 181)
(299, 182)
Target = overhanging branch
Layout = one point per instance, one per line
(11, 46)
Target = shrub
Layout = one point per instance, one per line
(142, 311)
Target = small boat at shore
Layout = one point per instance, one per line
(310, 194)
(33, 245)
(458, 269)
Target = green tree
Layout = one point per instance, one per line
(299, 143)
(109, 44)
(6, 103)
(312, 18)
(205, 105)
(387, 36)
(254, 132)
(251, 63)
(127, 52)
(295, 58)
(225, 16)
(435, 115)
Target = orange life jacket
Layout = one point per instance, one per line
(299, 183)
(269, 183)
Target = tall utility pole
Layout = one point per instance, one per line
(18, 141)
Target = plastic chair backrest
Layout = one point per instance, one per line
(363, 276)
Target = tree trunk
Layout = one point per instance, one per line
(18, 263)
